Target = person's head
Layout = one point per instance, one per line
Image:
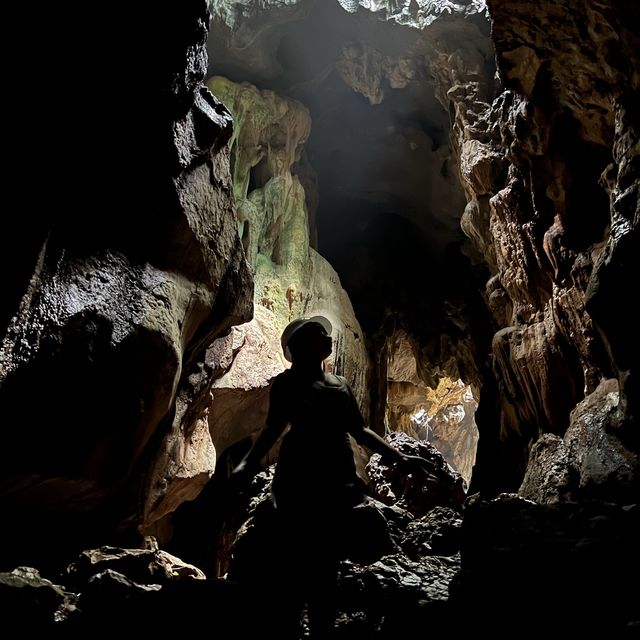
(307, 339)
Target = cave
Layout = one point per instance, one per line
(453, 184)
(382, 197)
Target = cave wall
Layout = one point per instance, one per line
(128, 266)
(551, 174)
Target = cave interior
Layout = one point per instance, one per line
(453, 183)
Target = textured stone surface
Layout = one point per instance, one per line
(419, 491)
(290, 279)
(33, 601)
(452, 428)
(549, 170)
(589, 463)
(541, 166)
(108, 588)
(144, 566)
(515, 553)
(530, 151)
(397, 567)
(444, 417)
(536, 397)
(413, 13)
(138, 268)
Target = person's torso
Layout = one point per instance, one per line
(316, 458)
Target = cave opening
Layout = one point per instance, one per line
(440, 412)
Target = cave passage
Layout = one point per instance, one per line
(382, 194)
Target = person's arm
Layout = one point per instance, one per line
(408, 463)
(267, 438)
(371, 440)
(275, 425)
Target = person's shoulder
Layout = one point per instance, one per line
(281, 381)
(334, 380)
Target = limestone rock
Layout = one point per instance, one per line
(537, 397)
(142, 566)
(396, 55)
(32, 601)
(440, 485)
(562, 202)
(590, 462)
(137, 268)
(513, 550)
(443, 416)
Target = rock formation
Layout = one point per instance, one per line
(135, 268)
(443, 416)
(468, 174)
(541, 169)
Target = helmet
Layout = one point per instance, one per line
(295, 326)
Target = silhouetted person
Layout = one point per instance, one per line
(315, 486)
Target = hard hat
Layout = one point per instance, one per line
(296, 325)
